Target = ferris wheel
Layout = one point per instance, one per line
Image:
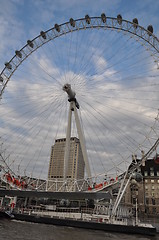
(111, 67)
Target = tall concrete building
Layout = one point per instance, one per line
(76, 163)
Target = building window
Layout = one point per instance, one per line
(152, 173)
(158, 174)
(153, 201)
(152, 181)
(147, 181)
(145, 174)
(154, 210)
(134, 200)
(153, 188)
(146, 194)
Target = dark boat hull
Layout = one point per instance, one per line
(5, 215)
(87, 224)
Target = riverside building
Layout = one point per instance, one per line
(146, 192)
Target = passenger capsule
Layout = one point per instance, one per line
(30, 43)
(18, 54)
(88, 20)
(43, 34)
(8, 65)
(103, 17)
(119, 19)
(137, 176)
(1, 79)
(150, 29)
(57, 27)
(72, 22)
(135, 23)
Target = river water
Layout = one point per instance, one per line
(16, 230)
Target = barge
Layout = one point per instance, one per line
(87, 221)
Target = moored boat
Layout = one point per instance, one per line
(89, 222)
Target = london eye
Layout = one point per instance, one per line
(111, 66)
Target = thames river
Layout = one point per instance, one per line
(16, 230)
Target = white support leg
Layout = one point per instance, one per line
(122, 192)
(119, 193)
(82, 142)
(67, 146)
(74, 104)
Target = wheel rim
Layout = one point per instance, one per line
(109, 98)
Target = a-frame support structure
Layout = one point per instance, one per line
(73, 109)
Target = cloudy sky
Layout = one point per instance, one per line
(21, 20)
(113, 74)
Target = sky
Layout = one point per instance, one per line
(22, 119)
